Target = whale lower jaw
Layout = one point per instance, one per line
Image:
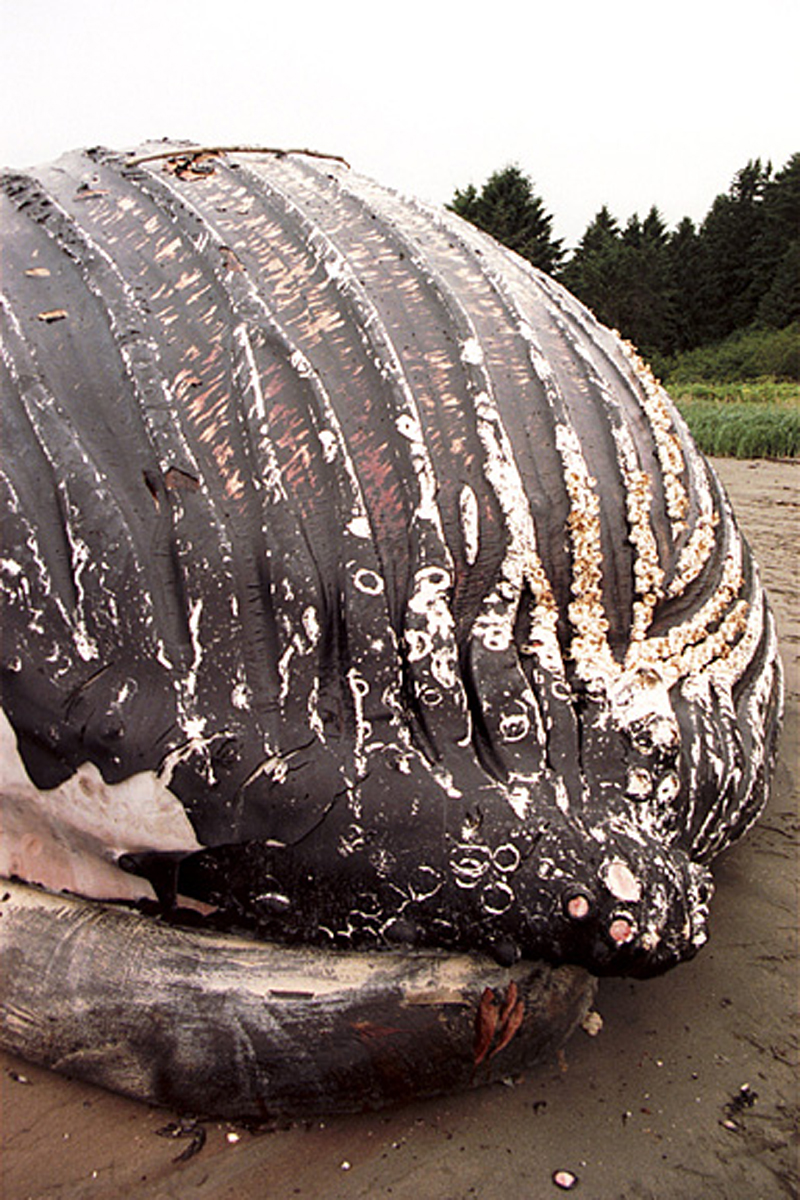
(240, 1029)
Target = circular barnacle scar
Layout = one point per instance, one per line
(577, 906)
(494, 637)
(368, 581)
(496, 898)
(514, 726)
(561, 690)
(434, 577)
(506, 858)
(621, 881)
(470, 866)
(622, 929)
(431, 697)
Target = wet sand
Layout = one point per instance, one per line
(690, 1089)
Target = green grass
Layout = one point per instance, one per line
(754, 393)
(753, 419)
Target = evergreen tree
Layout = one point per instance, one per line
(508, 208)
(683, 257)
(601, 230)
(654, 231)
(779, 249)
(595, 272)
(632, 233)
(731, 255)
(647, 315)
(624, 277)
(779, 306)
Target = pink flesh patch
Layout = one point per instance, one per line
(68, 838)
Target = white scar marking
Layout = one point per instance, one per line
(470, 523)
(621, 881)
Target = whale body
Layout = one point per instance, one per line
(361, 591)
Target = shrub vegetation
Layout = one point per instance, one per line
(746, 355)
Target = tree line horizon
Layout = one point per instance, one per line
(667, 290)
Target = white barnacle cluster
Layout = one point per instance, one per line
(716, 647)
(668, 445)
(648, 574)
(748, 622)
(695, 554)
(521, 563)
(708, 632)
(589, 647)
(703, 538)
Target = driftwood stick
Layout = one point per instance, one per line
(203, 151)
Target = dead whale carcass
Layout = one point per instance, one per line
(361, 590)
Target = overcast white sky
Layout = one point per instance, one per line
(624, 102)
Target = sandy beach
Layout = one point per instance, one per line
(689, 1089)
